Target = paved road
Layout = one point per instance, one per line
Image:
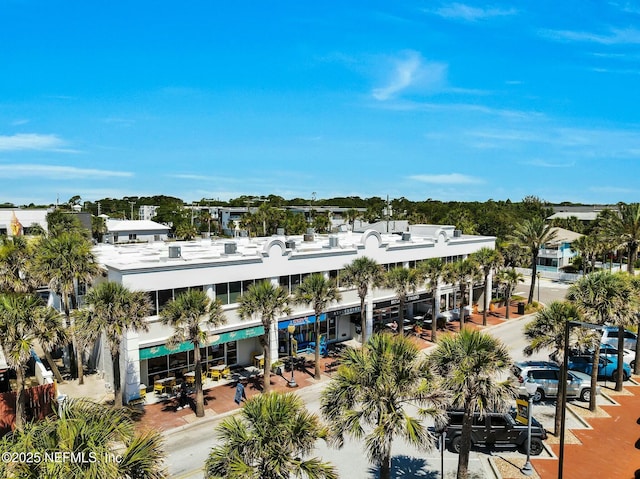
(188, 449)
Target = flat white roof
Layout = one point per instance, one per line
(115, 226)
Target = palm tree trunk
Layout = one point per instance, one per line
(363, 321)
(620, 358)
(559, 402)
(594, 379)
(534, 270)
(316, 330)
(385, 466)
(198, 381)
(486, 296)
(74, 341)
(507, 302)
(20, 398)
(266, 351)
(434, 318)
(53, 366)
(117, 381)
(463, 290)
(465, 444)
(401, 317)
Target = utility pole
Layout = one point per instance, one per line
(98, 203)
(132, 203)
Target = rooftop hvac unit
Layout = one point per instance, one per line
(457, 233)
(174, 252)
(290, 244)
(311, 231)
(280, 231)
(308, 238)
(333, 241)
(230, 248)
(406, 236)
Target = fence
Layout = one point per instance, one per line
(38, 405)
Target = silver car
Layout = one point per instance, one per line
(547, 376)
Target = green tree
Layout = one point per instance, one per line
(114, 310)
(270, 439)
(63, 262)
(104, 436)
(59, 222)
(546, 331)
(509, 279)
(468, 363)
(488, 260)
(624, 229)
(17, 338)
(431, 272)
(461, 273)
(193, 316)
(363, 273)
(374, 393)
(602, 297)
(15, 265)
(268, 302)
(532, 235)
(318, 292)
(50, 334)
(401, 281)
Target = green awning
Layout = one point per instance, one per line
(164, 350)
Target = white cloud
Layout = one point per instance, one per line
(616, 36)
(31, 141)
(56, 172)
(450, 179)
(549, 164)
(461, 11)
(21, 121)
(410, 71)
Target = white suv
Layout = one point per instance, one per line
(547, 376)
(610, 336)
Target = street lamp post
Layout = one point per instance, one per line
(531, 388)
(291, 329)
(538, 276)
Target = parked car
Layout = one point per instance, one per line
(547, 375)
(610, 336)
(495, 430)
(607, 368)
(605, 350)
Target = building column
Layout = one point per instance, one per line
(130, 366)
(369, 312)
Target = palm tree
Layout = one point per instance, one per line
(17, 339)
(64, 261)
(402, 281)
(461, 273)
(532, 235)
(103, 439)
(374, 394)
(193, 315)
(547, 331)
(269, 440)
(509, 279)
(489, 260)
(318, 292)
(468, 364)
(602, 297)
(624, 229)
(50, 333)
(15, 265)
(431, 272)
(363, 273)
(267, 301)
(634, 282)
(114, 310)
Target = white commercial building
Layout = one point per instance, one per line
(226, 268)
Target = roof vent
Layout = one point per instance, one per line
(175, 252)
(457, 233)
(333, 242)
(406, 236)
(311, 231)
(230, 248)
(291, 244)
(308, 238)
(280, 231)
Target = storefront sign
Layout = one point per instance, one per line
(301, 321)
(341, 312)
(412, 298)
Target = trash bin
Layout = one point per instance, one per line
(521, 308)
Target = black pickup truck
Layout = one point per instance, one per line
(495, 430)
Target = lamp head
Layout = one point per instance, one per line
(291, 328)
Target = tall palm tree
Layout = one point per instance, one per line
(601, 297)
(363, 273)
(461, 273)
(431, 272)
(546, 331)
(402, 281)
(468, 364)
(624, 228)
(374, 394)
(15, 265)
(63, 261)
(268, 302)
(17, 339)
(509, 279)
(50, 333)
(104, 440)
(114, 310)
(488, 259)
(317, 291)
(270, 439)
(532, 235)
(192, 315)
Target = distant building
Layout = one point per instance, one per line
(134, 231)
(556, 254)
(23, 220)
(147, 212)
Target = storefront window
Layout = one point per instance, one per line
(178, 360)
(164, 296)
(222, 293)
(234, 291)
(156, 366)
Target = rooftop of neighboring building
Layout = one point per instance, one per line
(115, 225)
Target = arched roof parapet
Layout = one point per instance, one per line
(371, 233)
(266, 250)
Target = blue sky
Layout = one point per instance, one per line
(463, 101)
